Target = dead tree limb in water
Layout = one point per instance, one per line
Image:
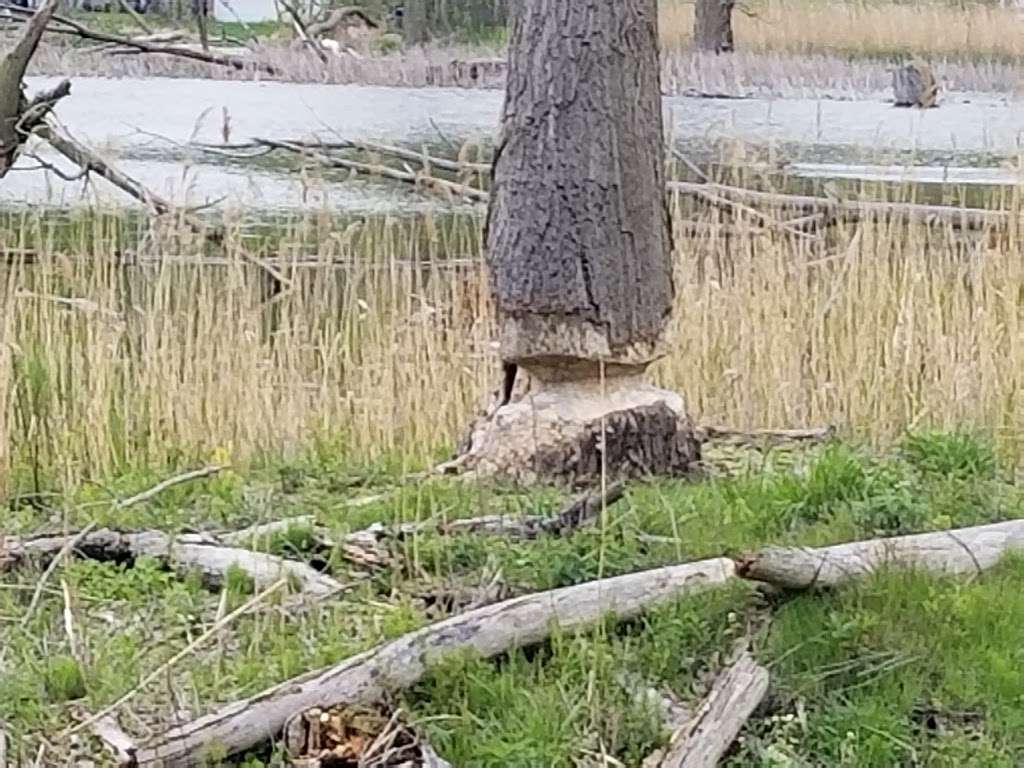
(965, 550)
(66, 26)
(300, 29)
(396, 665)
(851, 210)
(18, 115)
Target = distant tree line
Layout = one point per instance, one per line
(423, 20)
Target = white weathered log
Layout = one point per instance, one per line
(704, 740)
(396, 665)
(184, 552)
(963, 550)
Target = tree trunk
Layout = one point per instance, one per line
(580, 248)
(414, 22)
(712, 26)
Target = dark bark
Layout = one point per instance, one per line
(578, 229)
(18, 116)
(712, 26)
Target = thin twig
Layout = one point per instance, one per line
(163, 485)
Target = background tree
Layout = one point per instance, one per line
(580, 248)
(712, 25)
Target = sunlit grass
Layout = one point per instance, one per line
(381, 343)
(865, 675)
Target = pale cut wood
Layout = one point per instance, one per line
(120, 744)
(703, 741)
(183, 552)
(396, 665)
(959, 551)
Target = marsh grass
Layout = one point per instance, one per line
(957, 31)
(858, 674)
(381, 345)
(789, 48)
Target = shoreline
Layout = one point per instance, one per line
(684, 73)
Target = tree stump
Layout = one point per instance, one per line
(712, 25)
(579, 251)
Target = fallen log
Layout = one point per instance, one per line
(963, 218)
(183, 553)
(964, 550)
(396, 665)
(704, 740)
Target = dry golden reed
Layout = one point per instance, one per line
(882, 29)
(105, 367)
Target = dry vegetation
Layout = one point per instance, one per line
(387, 352)
(931, 30)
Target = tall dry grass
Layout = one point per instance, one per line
(930, 30)
(105, 367)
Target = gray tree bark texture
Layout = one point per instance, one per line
(578, 237)
(580, 250)
(712, 26)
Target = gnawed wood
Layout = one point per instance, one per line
(396, 665)
(960, 551)
(704, 740)
(183, 553)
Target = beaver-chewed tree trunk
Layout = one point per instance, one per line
(579, 250)
(712, 25)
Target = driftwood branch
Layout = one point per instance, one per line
(183, 553)
(812, 210)
(396, 665)
(704, 740)
(67, 26)
(965, 550)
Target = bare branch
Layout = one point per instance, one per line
(66, 26)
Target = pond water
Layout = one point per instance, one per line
(141, 124)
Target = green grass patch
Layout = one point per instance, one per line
(901, 669)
